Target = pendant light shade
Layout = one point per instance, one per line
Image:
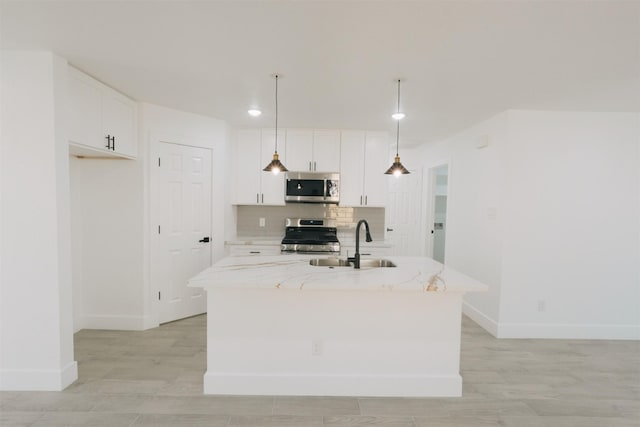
(276, 166)
(397, 168)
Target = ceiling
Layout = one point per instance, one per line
(461, 61)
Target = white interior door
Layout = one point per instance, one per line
(403, 214)
(184, 192)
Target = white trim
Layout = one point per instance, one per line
(551, 330)
(38, 379)
(567, 331)
(333, 385)
(116, 322)
(480, 318)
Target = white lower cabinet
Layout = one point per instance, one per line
(101, 121)
(254, 150)
(364, 160)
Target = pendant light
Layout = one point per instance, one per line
(276, 166)
(397, 168)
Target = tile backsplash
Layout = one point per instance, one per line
(346, 219)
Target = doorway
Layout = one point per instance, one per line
(439, 178)
(181, 227)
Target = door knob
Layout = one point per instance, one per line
(205, 240)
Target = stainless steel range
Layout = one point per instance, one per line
(310, 235)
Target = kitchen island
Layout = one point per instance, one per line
(279, 326)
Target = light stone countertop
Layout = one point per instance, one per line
(294, 272)
(267, 241)
(271, 241)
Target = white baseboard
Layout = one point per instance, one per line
(551, 330)
(115, 322)
(480, 318)
(332, 385)
(564, 331)
(38, 379)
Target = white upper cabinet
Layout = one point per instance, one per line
(254, 150)
(299, 150)
(272, 186)
(101, 121)
(326, 150)
(364, 159)
(352, 168)
(376, 162)
(313, 150)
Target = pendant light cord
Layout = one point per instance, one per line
(398, 128)
(398, 139)
(276, 114)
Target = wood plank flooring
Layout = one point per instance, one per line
(154, 378)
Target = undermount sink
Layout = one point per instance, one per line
(329, 262)
(364, 263)
(376, 263)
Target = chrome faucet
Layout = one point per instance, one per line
(356, 258)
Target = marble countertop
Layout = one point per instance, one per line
(294, 272)
(267, 241)
(271, 241)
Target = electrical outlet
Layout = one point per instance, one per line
(262, 222)
(316, 348)
(542, 306)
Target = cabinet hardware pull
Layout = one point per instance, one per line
(389, 229)
(108, 142)
(113, 143)
(205, 240)
(366, 200)
(254, 252)
(257, 198)
(262, 197)
(310, 166)
(360, 200)
(315, 166)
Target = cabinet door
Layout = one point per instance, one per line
(299, 150)
(119, 121)
(376, 159)
(326, 150)
(85, 111)
(248, 167)
(272, 186)
(352, 168)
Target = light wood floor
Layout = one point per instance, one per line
(154, 378)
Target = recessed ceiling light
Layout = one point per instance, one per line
(398, 115)
(253, 112)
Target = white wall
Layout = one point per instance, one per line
(36, 331)
(107, 230)
(570, 256)
(548, 216)
(474, 215)
(189, 129)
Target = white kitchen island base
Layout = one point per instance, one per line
(333, 343)
(279, 326)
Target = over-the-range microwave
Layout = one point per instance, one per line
(312, 187)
